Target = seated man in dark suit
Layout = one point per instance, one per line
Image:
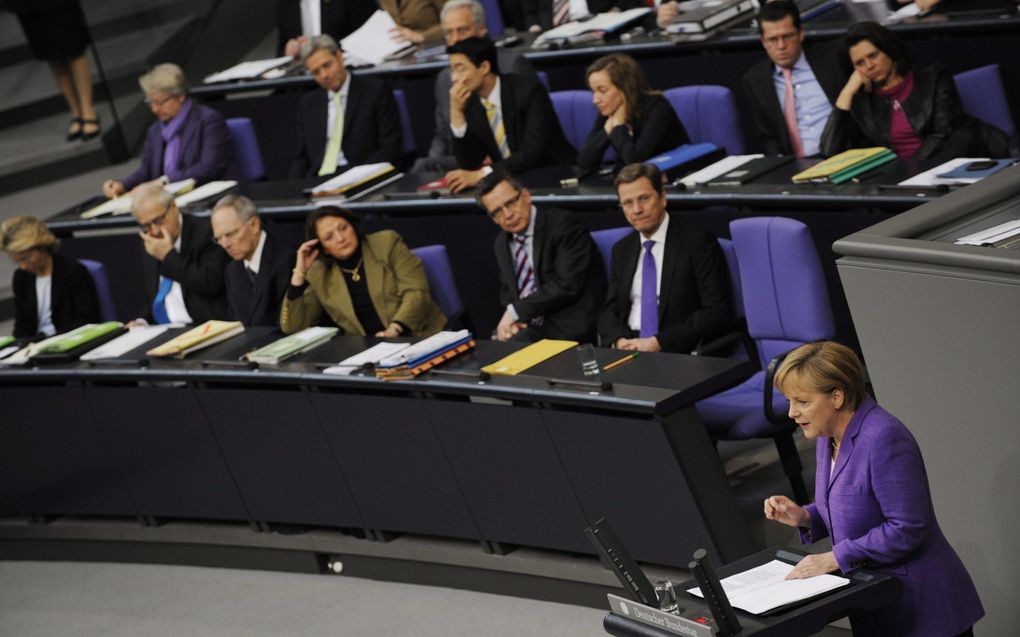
(349, 120)
(461, 19)
(183, 269)
(298, 20)
(552, 281)
(499, 120)
(257, 278)
(668, 287)
(812, 78)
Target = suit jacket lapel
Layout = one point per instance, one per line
(509, 107)
(318, 119)
(770, 100)
(505, 260)
(374, 273)
(670, 258)
(629, 262)
(189, 133)
(334, 281)
(846, 448)
(350, 111)
(475, 115)
(263, 278)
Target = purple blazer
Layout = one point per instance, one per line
(877, 507)
(206, 149)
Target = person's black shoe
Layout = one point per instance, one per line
(74, 129)
(92, 134)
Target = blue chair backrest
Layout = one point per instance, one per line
(107, 310)
(983, 96)
(577, 115)
(730, 253)
(606, 239)
(709, 113)
(409, 145)
(442, 286)
(782, 284)
(543, 77)
(493, 18)
(246, 149)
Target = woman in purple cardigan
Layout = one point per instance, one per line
(871, 498)
(188, 141)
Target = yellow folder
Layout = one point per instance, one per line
(528, 357)
(839, 162)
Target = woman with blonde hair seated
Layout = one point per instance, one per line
(368, 285)
(52, 293)
(638, 122)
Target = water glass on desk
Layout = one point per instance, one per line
(666, 595)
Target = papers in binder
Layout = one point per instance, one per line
(372, 43)
(289, 346)
(248, 70)
(528, 357)
(135, 337)
(720, 167)
(424, 355)
(709, 14)
(122, 205)
(370, 356)
(838, 168)
(762, 589)
(205, 191)
(1004, 232)
(63, 343)
(605, 22)
(355, 177)
(205, 335)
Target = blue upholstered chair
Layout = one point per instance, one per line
(409, 146)
(107, 310)
(786, 304)
(246, 149)
(984, 97)
(493, 18)
(606, 239)
(576, 113)
(442, 286)
(709, 113)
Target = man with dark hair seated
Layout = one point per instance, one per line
(499, 120)
(793, 90)
(551, 277)
(668, 285)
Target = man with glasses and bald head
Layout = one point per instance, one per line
(183, 269)
(552, 280)
(257, 277)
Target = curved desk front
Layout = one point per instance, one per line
(508, 461)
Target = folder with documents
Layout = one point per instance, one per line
(205, 335)
(528, 357)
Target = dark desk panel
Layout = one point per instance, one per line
(55, 455)
(169, 458)
(275, 448)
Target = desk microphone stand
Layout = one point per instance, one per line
(714, 595)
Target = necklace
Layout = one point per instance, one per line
(353, 271)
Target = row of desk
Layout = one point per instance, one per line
(505, 461)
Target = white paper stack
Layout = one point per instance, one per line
(761, 589)
(124, 343)
(372, 43)
(721, 167)
(248, 70)
(205, 191)
(605, 22)
(370, 356)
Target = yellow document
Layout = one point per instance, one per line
(839, 162)
(528, 357)
(205, 335)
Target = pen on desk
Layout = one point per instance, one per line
(623, 360)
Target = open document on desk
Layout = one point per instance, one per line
(763, 589)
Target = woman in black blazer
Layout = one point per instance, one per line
(639, 122)
(52, 293)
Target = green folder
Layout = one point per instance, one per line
(292, 345)
(849, 173)
(6, 340)
(77, 338)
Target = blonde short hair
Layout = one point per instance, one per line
(164, 78)
(823, 366)
(18, 234)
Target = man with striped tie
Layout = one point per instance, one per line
(552, 280)
(669, 289)
(499, 119)
(183, 268)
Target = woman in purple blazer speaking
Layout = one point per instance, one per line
(871, 498)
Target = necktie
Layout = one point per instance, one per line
(790, 114)
(522, 266)
(332, 156)
(496, 124)
(561, 12)
(649, 298)
(159, 303)
(251, 276)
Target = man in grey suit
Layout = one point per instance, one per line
(460, 19)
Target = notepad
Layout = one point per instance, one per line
(528, 357)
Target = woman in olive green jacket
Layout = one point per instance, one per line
(368, 285)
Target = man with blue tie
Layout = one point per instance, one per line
(668, 284)
(499, 120)
(183, 268)
(792, 91)
(552, 280)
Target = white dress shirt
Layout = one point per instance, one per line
(44, 304)
(176, 311)
(658, 250)
(810, 102)
(256, 258)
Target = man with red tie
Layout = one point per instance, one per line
(552, 280)
(669, 288)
